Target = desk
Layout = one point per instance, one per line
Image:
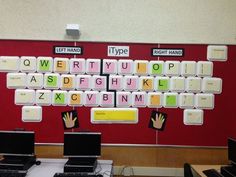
(49, 167)
(197, 169)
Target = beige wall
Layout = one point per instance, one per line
(151, 21)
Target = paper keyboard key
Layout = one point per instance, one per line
(204, 68)
(59, 98)
(146, 83)
(51, 81)
(172, 68)
(154, 100)
(61, 65)
(93, 66)
(99, 82)
(16, 80)
(188, 68)
(123, 99)
(28, 64)
(43, 97)
(217, 53)
(212, 85)
(107, 99)
(115, 82)
(139, 99)
(91, 98)
(186, 100)
(125, 67)
(114, 115)
(24, 97)
(75, 98)
(141, 67)
(162, 83)
(131, 83)
(44, 64)
(9, 64)
(204, 101)
(193, 117)
(77, 65)
(67, 82)
(193, 84)
(156, 68)
(177, 84)
(31, 114)
(109, 66)
(170, 100)
(35, 80)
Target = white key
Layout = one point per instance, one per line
(156, 68)
(139, 99)
(75, 98)
(154, 99)
(115, 82)
(193, 117)
(193, 84)
(28, 64)
(141, 67)
(31, 114)
(91, 98)
(51, 81)
(16, 80)
(43, 97)
(61, 65)
(35, 80)
(99, 82)
(109, 66)
(84, 82)
(93, 66)
(146, 83)
(59, 98)
(125, 67)
(24, 97)
(186, 100)
(9, 63)
(217, 53)
(123, 99)
(204, 101)
(177, 84)
(170, 100)
(67, 82)
(212, 85)
(131, 83)
(77, 65)
(106, 99)
(188, 68)
(44, 64)
(204, 68)
(172, 68)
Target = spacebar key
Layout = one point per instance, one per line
(114, 115)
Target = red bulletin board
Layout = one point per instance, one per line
(219, 123)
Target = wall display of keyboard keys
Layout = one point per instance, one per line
(115, 86)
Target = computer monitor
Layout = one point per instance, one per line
(232, 150)
(17, 143)
(82, 144)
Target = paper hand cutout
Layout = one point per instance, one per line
(158, 122)
(69, 121)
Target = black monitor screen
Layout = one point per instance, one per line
(81, 144)
(232, 150)
(17, 143)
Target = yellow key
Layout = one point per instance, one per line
(114, 115)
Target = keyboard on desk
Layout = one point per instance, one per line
(73, 174)
(212, 173)
(12, 173)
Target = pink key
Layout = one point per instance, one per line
(99, 83)
(93, 66)
(131, 83)
(91, 98)
(109, 66)
(125, 67)
(115, 83)
(138, 99)
(77, 66)
(107, 99)
(83, 82)
(123, 99)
